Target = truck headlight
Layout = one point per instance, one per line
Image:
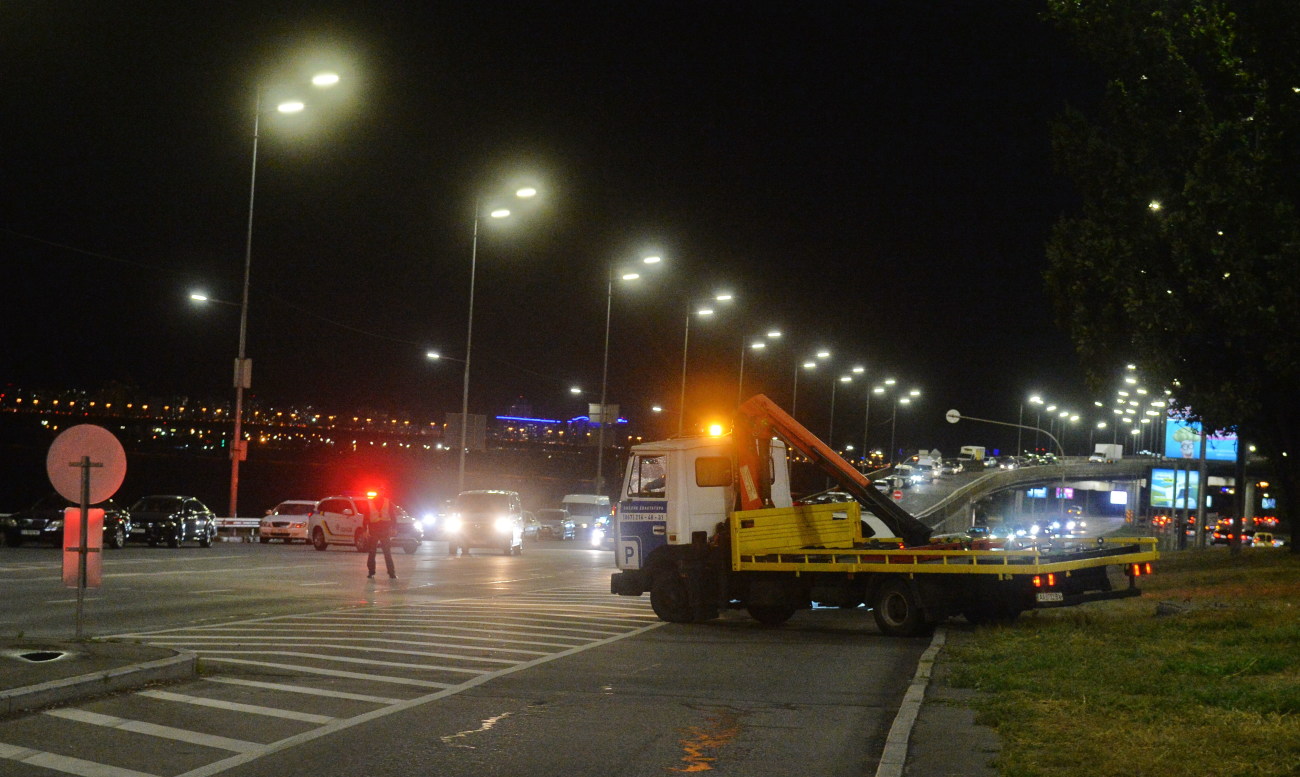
(597, 537)
(504, 524)
(454, 524)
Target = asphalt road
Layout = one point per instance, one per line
(478, 665)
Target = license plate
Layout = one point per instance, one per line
(1051, 596)
(31, 532)
(137, 530)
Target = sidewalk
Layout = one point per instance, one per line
(934, 733)
(39, 672)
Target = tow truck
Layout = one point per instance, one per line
(705, 524)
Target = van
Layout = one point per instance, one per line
(588, 511)
(486, 519)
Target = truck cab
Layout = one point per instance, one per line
(675, 489)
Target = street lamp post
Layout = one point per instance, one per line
(808, 364)
(686, 340)
(893, 421)
(497, 213)
(244, 365)
(604, 372)
(757, 345)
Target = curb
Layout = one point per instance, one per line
(182, 666)
(894, 757)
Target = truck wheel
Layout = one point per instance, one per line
(770, 614)
(898, 612)
(318, 539)
(669, 599)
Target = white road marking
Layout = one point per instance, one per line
(304, 690)
(155, 730)
(64, 763)
(375, 678)
(252, 709)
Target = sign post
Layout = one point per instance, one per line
(86, 465)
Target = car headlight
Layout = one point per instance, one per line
(504, 524)
(454, 523)
(597, 537)
(57, 523)
(300, 525)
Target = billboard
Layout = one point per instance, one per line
(1175, 489)
(1183, 441)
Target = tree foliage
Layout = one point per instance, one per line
(1184, 255)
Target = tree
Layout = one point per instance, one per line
(1185, 254)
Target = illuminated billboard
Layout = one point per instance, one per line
(1183, 441)
(1175, 489)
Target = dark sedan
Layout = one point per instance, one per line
(43, 522)
(172, 520)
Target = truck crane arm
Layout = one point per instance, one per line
(758, 419)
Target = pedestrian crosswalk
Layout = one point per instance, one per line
(275, 682)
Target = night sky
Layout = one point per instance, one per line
(871, 177)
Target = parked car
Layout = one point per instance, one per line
(341, 520)
(286, 521)
(556, 524)
(532, 527)
(172, 520)
(43, 522)
(486, 519)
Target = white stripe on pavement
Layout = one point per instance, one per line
(374, 678)
(252, 709)
(304, 690)
(155, 730)
(64, 763)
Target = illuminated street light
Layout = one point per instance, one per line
(604, 374)
(810, 365)
(244, 365)
(755, 345)
(700, 310)
(526, 192)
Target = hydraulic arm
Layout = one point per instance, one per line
(758, 420)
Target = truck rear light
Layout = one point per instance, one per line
(1138, 570)
(1048, 580)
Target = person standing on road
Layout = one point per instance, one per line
(379, 528)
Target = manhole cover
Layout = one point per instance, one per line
(41, 655)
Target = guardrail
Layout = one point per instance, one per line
(238, 529)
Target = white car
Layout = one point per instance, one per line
(287, 521)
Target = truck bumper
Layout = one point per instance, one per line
(629, 583)
(1070, 600)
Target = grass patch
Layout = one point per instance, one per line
(1111, 689)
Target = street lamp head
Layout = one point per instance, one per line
(631, 276)
(652, 259)
(500, 213)
(291, 106)
(575, 390)
(724, 296)
(434, 355)
(810, 365)
(1035, 400)
(878, 390)
(325, 80)
(526, 192)
(199, 297)
(859, 369)
(758, 345)
(705, 311)
(773, 334)
(914, 392)
(823, 354)
(890, 381)
(846, 379)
